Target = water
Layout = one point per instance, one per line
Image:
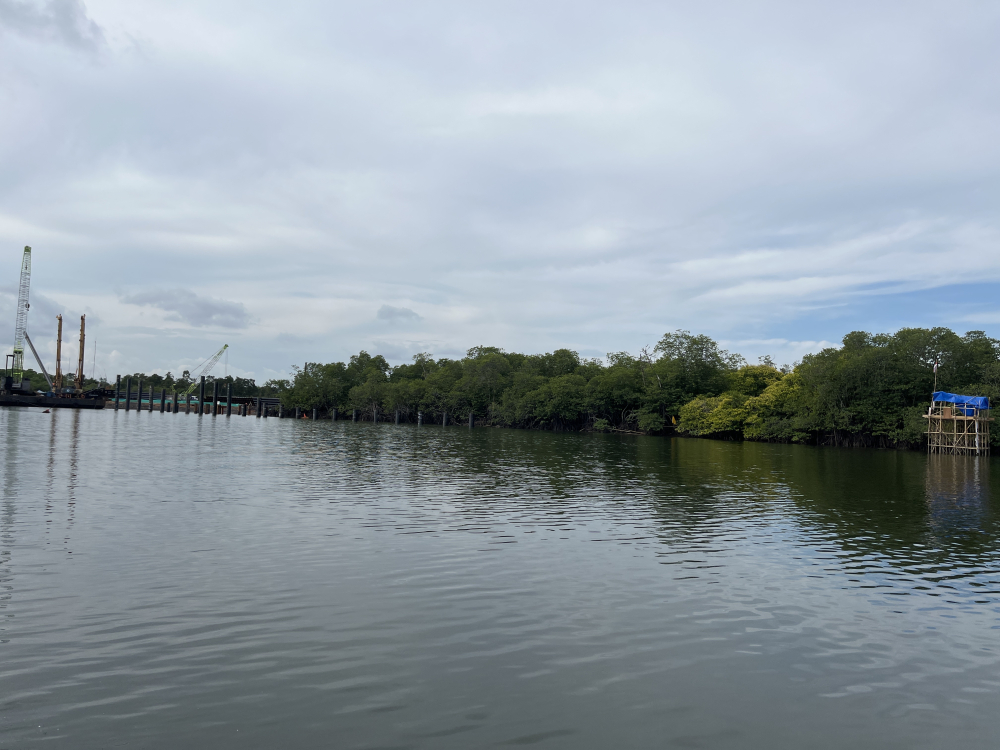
(181, 581)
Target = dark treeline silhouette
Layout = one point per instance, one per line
(871, 391)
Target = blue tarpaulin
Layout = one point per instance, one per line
(977, 402)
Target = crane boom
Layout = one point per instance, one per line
(38, 360)
(21, 324)
(208, 367)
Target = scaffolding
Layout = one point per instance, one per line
(958, 425)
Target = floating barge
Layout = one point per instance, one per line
(50, 402)
(18, 393)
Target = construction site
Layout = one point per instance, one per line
(16, 389)
(70, 392)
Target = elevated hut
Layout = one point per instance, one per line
(958, 425)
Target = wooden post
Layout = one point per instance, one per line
(333, 414)
(163, 399)
(215, 397)
(397, 416)
(201, 396)
(229, 399)
(187, 405)
(259, 403)
(314, 415)
(354, 416)
(444, 419)
(298, 413)
(472, 420)
(128, 393)
(118, 389)
(176, 406)
(281, 411)
(420, 418)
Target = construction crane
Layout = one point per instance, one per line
(21, 324)
(204, 370)
(38, 360)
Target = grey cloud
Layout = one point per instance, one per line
(779, 171)
(188, 307)
(58, 20)
(396, 314)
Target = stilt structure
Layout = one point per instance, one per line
(958, 425)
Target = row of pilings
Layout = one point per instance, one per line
(216, 403)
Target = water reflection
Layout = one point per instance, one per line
(358, 586)
(891, 520)
(958, 495)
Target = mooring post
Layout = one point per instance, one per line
(472, 420)
(163, 400)
(281, 411)
(118, 390)
(260, 402)
(354, 416)
(138, 396)
(229, 399)
(298, 413)
(420, 418)
(215, 397)
(201, 396)
(175, 405)
(187, 404)
(333, 414)
(444, 419)
(314, 415)
(128, 393)
(397, 416)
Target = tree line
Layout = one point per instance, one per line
(870, 391)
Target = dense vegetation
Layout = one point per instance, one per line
(555, 391)
(873, 390)
(870, 391)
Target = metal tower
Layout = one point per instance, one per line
(206, 368)
(22, 316)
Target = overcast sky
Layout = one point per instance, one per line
(302, 180)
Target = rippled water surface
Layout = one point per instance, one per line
(173, 581)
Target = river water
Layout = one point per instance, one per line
(173, 581)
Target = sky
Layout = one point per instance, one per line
(307, 179)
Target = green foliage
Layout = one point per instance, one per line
(873, 390)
